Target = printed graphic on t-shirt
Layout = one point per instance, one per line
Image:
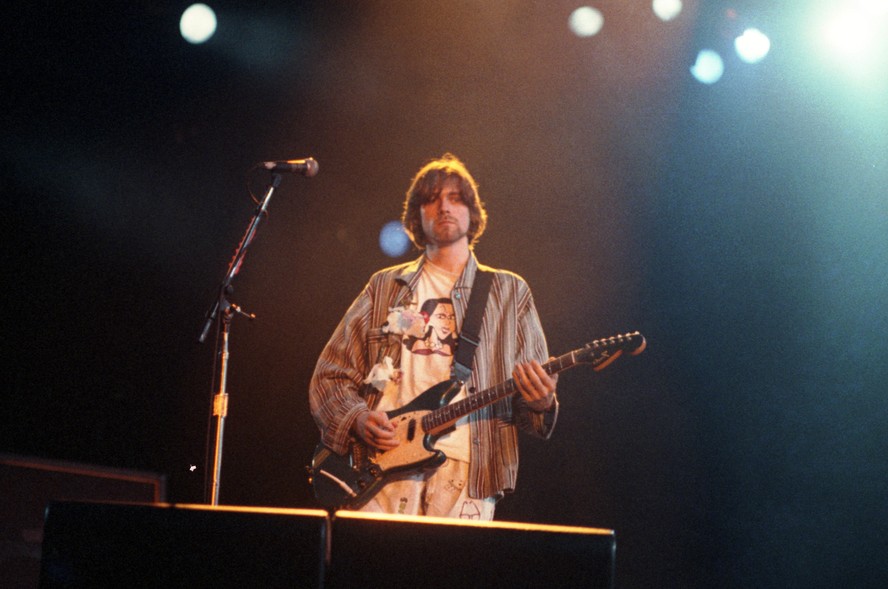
(469, 511)
(439, 337)
(427, 353)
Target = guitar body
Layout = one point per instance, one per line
(349, 481)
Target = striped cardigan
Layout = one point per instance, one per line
(510, 333)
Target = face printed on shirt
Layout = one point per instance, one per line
(440, 333)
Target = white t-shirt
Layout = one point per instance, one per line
(426, 361)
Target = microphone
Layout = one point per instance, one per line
(307, 167)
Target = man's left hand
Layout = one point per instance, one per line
(535, 385)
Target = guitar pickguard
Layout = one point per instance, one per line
(412, 452)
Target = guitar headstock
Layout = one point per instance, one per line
(601, 352)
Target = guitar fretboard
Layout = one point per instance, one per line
(595, 353)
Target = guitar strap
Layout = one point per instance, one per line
(470, 335)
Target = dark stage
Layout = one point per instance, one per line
(741, 226)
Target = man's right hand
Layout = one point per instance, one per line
(375, 429)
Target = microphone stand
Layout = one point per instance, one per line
(227, 310)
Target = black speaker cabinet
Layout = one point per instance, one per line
(169, 546)
(28, 484)
(393, 551)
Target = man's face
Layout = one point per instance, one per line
(445, 218)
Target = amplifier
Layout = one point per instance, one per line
(28, 484)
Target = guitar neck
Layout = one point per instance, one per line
(446, 416)
(599, 353)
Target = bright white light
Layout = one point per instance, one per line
(875, 8)
(393, 240)
(709, 67)
(666, 10)
(752, 46)
(586, 21)
(851, 35)
(198, 23)
(854, 34)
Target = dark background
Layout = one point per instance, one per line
(740, 226)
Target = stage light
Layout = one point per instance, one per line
(198, 23)
(752, 46)
(667, 10)
(709, 67)
(393, 240)
(854, 34)
(586, 21)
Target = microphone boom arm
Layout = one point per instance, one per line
(239, 254)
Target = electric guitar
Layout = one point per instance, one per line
(349, 481)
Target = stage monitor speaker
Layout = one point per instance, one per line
(28, 485)
(388, 551)
(169, 546)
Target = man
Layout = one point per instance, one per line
(409, 303)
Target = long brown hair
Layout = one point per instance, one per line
(427, 184)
